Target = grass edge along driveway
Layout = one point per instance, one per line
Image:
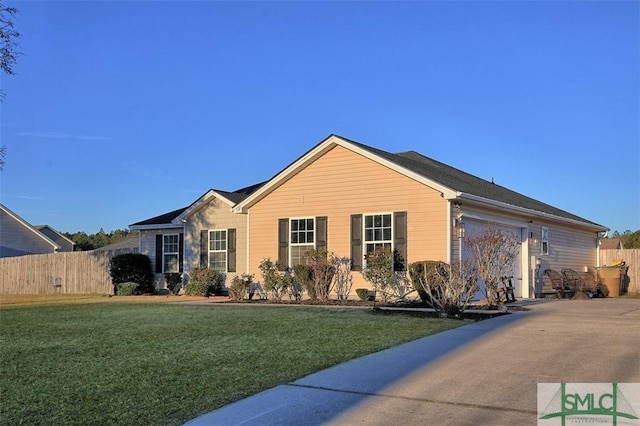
(108, 361)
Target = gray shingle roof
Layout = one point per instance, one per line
(235, 197)
(162, 219)
(460, 181)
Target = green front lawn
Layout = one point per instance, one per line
(162, 364)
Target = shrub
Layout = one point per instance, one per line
(420, 272)
(203, 282)
(276, 278)
(447, 288)
(493, 253)
(132, 267)
(127, 289)
(323, 272)
(303, 274)
(240, 285)
(379, 270)
(363, 294)
(343, 278)
(174, 281)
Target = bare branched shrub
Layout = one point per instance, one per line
(493, 252)
(447, 288)
(343, 279)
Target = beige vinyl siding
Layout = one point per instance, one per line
(148, 247)
(18, 240)
(568, 247)
(215, 214)
(342, 183)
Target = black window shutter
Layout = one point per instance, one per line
(399, 241)
(204, 248)
(356, 242)
(158, 253)
(231, 250)
(283, 241)
(181, 252)
(321, 232)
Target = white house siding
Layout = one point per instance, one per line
(17, 240)
(215, 214)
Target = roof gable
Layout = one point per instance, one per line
(28, 227)
(451, 182)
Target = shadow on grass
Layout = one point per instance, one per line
(327, 394)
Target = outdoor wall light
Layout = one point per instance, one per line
(461, 229)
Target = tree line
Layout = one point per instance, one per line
(86, 241)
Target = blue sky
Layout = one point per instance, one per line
(120, 111)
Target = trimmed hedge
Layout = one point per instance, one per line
(132, 267)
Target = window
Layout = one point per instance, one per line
(378, 232)
(544, 241)
(302, 239)
(218, 250)
(386, 231)
(170, 253)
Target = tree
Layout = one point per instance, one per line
(8, 53)
(493, 252)
(8, 39)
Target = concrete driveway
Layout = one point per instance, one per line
(482, 373)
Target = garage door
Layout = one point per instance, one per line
(476, 227)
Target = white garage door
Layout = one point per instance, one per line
(475, 227)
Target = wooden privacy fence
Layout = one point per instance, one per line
(66, 272)
(632, 259)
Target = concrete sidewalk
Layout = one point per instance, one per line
(483, 373)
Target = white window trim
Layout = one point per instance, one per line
(291, 244)
(365, 242)
(544, 241)
(225, 251)
(166, 253)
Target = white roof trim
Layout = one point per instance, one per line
(157, 226)
(529, 212)
(29, 227)
(199, 203)
(320, 150)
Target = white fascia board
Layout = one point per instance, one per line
(319, 150)
(198, 204)
(152, 227)
(529, 212)
(30, 228)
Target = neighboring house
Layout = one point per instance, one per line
(19, 238)
(351, 198)
(64, 243)
(205, 234)
(611, 244)
(126, 245)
